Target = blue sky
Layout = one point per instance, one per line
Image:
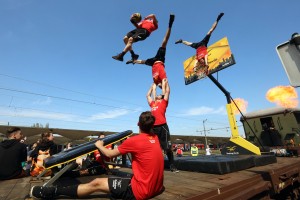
(56, 65)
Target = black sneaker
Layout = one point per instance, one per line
(134, 56)
(129, 62)
(220, 16)
(173, 168)
(171, 20)
(41, 192)
(178, 41)
(118, 57)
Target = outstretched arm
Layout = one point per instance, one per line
(149, 98)
(167, 90)
(153, 17)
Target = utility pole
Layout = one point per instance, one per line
(205, 133)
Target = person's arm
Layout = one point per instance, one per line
(110, 153)
(167, 92)
(153, 17)
(149, 98)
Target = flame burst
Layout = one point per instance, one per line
(284, 96)
(241, 104)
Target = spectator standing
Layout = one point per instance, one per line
(12, 154)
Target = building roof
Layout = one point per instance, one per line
(62, 136)
(269, 111)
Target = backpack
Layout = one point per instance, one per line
(37, 166)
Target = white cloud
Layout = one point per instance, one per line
(109, 114)
(38, 114)
(204, 111)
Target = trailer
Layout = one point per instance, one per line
(286, 121)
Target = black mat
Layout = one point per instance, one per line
(221, 164)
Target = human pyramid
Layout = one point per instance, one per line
(146, 147)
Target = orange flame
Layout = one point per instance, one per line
(241, 104)
(284, 96)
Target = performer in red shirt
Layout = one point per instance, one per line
(147, 167)
(158, 62)
(142, 31)
(201, 48)
(159, 106)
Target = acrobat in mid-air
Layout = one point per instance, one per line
(158, 61)
(143, 30)
(201, 48)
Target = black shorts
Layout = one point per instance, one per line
(138, 34)
(120, 188)
(163, 133)
(160, 56)
(203, 42)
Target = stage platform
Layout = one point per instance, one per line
(246, 184)
(221, 164)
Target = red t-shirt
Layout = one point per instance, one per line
(97, 155)
(201, 52)
(147, 164)
(179, 151)
(148, 25)
(158, 110)
(158, 72)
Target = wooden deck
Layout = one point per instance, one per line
(192, 185)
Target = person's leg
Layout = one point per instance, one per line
(215, 24)
(168, 33)
(133, 55)
(183, 42)
(168, 147)
(128, 47)
(81, 190)
(97, 185)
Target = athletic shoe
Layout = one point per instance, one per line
(41, 192)
(129, 62)
(171, 20)
(220, 16)
(118, 57)
(178, 41)
(134, 56)
(173, 168)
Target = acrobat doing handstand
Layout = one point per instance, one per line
(158, 62)
(201, 48)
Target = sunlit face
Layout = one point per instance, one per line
(158, 97)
